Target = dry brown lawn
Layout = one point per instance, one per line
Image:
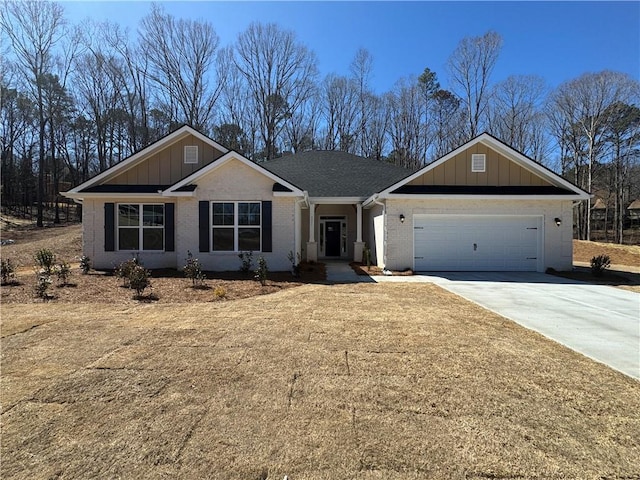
(346, 381)
(621, 255)
(369, 381)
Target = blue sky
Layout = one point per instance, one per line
(556, 40)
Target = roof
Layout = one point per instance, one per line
(325, 173)
(635, 205)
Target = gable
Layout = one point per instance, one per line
(236, 172)
(508, 174)
(234, 180)
(167, 166)
(500, 171)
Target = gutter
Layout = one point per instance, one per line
(374, 200)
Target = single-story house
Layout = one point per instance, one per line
(634, 210)
(484, 206)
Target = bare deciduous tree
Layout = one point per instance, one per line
(584, 104)
(514, 113)
(182, 53)
(406, 114)
(361, 68)
(470, 67)
(340, 108)
(281, 75)
(34, 28)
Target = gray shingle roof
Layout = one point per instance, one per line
(325, 173)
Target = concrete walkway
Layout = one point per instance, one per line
(341, 272)
(598, 321)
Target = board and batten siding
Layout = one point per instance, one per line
(500, 171)
(167, 166)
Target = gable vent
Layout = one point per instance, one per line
(478, 162)
(191, 154)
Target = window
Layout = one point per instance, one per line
(140, 227)
(191, 154)
(478, 162)
(236, 226)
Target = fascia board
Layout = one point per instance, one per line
(336, 200)
(408, 196)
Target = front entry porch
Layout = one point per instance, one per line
(333, 230)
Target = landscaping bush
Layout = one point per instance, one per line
(124, 270)
(193, 271)
(63, 272)
(85, 264)
(295, 264)
(599, 264)
(366, 257)
(7, 271)
(262, 271)
(46, 260)
(246, 259)
(43, 282)
(139, 279)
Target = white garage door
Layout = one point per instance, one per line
(477, 243)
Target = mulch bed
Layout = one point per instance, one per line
(167, 286)
(583, 274)
(362, 269)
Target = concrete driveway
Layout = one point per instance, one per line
(598, 321)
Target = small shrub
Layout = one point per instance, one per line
(366, 257)
(220, 292)
(46, 260)
(85, 264)
(139, 279)
(63, 271)
(43, 282)
(193, 271)
(599, 264)
(262, 271)
(246, 259)
(124, 270)
(7, 271)
(295, 264)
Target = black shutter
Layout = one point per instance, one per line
(203, 224)
(169, 227)
(267, 245)
(109, 227)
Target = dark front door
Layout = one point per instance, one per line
(332, 236)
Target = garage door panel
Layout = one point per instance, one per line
(476, 243)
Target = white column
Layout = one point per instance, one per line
(312, 222)
(359, 223)
(358, 245)
(312, 246)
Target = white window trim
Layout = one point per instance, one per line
(478, 167)
(140, 227)
(235, 226)
(190, 154)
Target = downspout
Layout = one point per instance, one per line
(384, 227)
